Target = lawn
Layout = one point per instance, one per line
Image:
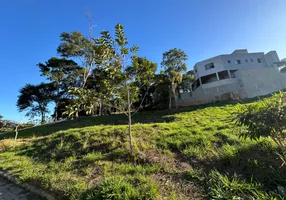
(192, 153)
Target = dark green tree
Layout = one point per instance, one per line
(174, 65)
(36, 98)
(142, 73)
(63, 74)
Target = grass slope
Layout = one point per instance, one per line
(195, 153)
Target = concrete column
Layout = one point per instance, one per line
(229, 73)
(218, 92)
(217, 76)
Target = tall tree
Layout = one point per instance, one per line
(36, 99)
(87, 50)
(187, 79)
(63, 74)
(142, 73)
(174, 65)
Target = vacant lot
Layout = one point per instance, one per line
(195, 153)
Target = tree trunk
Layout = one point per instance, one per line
(176, 101)
(100, 108)
(16, 131)
(56, 111)
(129, 122)
(57, 102)
(170, 97)
(43, 117)
(175, 96)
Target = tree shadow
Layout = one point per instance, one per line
(258, 162)
(74, 144)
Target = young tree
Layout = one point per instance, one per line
(112, 60)
(174, 65)
(36, 99)
(120, 56)
(63, 74)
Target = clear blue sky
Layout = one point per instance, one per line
(30, 31)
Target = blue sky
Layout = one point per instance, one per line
(30, 31)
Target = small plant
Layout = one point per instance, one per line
(223, 187)
(266, 118)
(92, 157)
(120, 188)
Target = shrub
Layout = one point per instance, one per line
(223, 187)
(266, 118)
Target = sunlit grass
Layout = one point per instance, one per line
(195, 153)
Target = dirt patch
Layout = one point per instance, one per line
(169, 185)
(170, 162)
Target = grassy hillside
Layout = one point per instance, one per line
(194, 153)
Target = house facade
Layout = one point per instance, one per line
(237, 75)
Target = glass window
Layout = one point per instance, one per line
(251, 60)
(259, 60)
(232, 73)
(229, 61)
(223, 75)
(209, 78)
(237, 62)
(209, 66)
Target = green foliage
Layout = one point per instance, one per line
(174, 64)
(266, 118)
(174, 60)
(120, 188)
(86, 101)
(223, 187)
(36, 99)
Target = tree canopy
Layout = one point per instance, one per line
(174, 65)
(35, 98)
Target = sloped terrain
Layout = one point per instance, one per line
(194, 153)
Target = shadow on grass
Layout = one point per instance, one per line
(74, 144)
(145, 117)
(258, 162)
(116, 119)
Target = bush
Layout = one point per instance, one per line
(266, 118)
(223, 187)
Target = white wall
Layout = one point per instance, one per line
(219, 83)
(271, 57)
(242, 57)
(232, 90)
(221, 62)
(258, 82)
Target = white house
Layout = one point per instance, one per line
(235, 76)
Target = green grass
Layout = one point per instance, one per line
(194, 153)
